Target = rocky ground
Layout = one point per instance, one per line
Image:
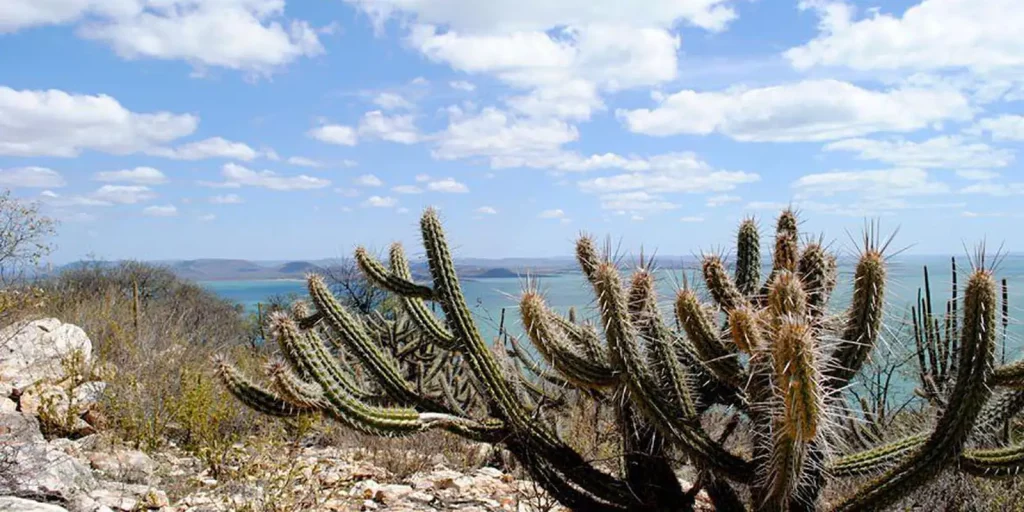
(47, 371)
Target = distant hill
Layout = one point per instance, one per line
(218, 269)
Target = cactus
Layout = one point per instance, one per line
(773, 350)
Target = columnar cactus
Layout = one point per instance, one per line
(772, 350)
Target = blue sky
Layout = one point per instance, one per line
(274, 129)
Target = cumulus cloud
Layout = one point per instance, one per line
(31, 177)
(486, 210)
(1005, 127)
(123, 194)
(943, 152)
(552, 214)
(238, 176)
(56, 123)
(213, 147)
(448, 185)
(392, 101)
(368, 180)
(226, 199)
(811, 110)
(877, 183)
(334, 134)
(168, 210)
(400, 128)
(139, 175)
(380, 201)
(669, 173)
(302, 161)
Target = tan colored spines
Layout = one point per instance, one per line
(787, 242)
(725, 293)
(715, 355)
(748, 258)
(786, 297)
(292, 389)
(863, 318)
(745, 328)
(253, 395)
(552, 344)
(587, 256)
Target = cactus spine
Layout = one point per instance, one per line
(782, 361)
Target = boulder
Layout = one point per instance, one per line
(34, 469)
(12, 504)
(123, 465)
(35, 351)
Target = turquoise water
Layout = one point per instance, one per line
(487, 297)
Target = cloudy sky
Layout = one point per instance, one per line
(274, 129)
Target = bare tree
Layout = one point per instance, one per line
(348, 284)
(24, 237)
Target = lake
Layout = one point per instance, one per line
(487, 297)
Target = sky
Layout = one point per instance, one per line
(287, 129)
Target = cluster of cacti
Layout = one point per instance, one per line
(771, 350)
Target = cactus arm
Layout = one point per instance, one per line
(748, 258)
(253, 395)
(553, 346)
(1010, 375)
(723, 290)
(997, 463)
(621, 336)
(497, 389)
(292, 389)
(945, 444)
(417, 309)
(875, 459)
(813, 269)
(355, 338)
(864, 319)
(583, 337)
(715, 355)
(997, 412)
(786, 253)
(388, 280)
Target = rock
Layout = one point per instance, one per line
(392, 493)
(18, 428)
(7, 405)
(491, 472)
(12, 504)
(366, 489)
(115, 500)
(39, 471)
(34, 351)
(123, 465)
(420, 497)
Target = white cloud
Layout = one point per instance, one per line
(347, 192)
(122, 194)
(380, 202)
(368, 180)
(722, 199)
(249, 35)
(932, 35)
(302, 161)
(238, 176)
(31, 177)
(977, 174)
(407, 189)
(227, 199)
(161, 211)
(56, 123)
(334, 134)
(944, 152)
(420, 178)
(401, 129)
(486, 210)
(811, 110)
(213, 147)
(392, 101)
(508, 16)
(875, 183)
(462, 85)
(448, 185)
(139, 175)
(572, 99)
(637, 201)
(995, 189)
(505, 140)
(551, 214)
(672, 172)
(1004, 127)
